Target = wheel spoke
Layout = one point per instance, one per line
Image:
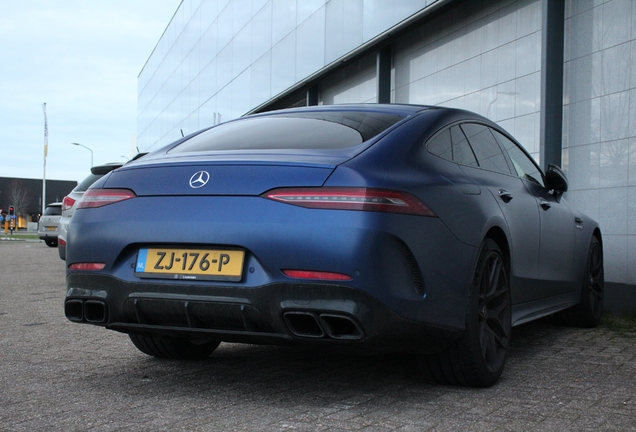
(485, 341)
(498, 342)
(596, 267)
(495, 311)
(499, 293)
(497, 317)
(493, 277)
(596, 295)
(492, 346)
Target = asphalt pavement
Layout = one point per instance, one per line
(60, 376)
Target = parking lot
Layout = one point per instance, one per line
(56, 375)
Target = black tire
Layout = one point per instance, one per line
(478, 357)
(173, 348)
(51, 243)
(587, 313)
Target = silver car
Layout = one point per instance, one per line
(70, 202)
(48, 227)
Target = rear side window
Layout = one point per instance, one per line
(486, 148)
(462, 153)
(441, 145)
(451, 144)
(298, 131)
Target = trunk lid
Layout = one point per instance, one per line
(248, 175)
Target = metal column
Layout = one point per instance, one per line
(552, 81)
(383, 74)
(312, 95)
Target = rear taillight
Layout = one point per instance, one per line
(67, 203)
(336, 198)
(100, 197)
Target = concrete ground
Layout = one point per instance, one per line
(57, 375)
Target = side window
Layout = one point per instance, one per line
(462, 153)
(440, 145)
(486, 148)
(525, 168)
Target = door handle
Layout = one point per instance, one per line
(578, 223)
(544, 204)
(505, 195)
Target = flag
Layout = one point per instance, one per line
(46, 132)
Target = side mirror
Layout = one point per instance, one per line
(555, 180)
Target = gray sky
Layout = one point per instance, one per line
(81, 57)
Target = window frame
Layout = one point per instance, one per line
(509, 161)
(525, 153)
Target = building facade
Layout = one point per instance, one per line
(559, 75)
(26, 196)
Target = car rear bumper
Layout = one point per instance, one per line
(47, 235)
(408, 276)
(276, 313)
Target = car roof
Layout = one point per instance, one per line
(405, 110)
(400, 109)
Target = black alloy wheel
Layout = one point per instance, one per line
(587, 313)
(478, 357)
(494, 311)
(595, 281)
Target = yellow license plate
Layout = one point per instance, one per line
(192, 264)
(51, 228)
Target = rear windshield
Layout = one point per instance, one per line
(53, 211)
(298, 131)
(87, 182)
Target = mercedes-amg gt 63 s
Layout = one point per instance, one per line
(413, 229)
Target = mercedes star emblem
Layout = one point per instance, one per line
(199, 179)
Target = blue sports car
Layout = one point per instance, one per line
(413, 229)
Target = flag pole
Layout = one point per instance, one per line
(46, 151)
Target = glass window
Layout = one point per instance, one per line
(241, 51)
(486, 148)
(451, 144)
(308, 130)
(310, 43)
(343, 28)
(523, 165)
(284, 64)
(87, 182)
(462, 153)
(53, 211)
(366, 123)
(440, 145)
(261, 32)
(283, 19)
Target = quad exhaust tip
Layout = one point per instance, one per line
(89, 311)
(322, 325)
